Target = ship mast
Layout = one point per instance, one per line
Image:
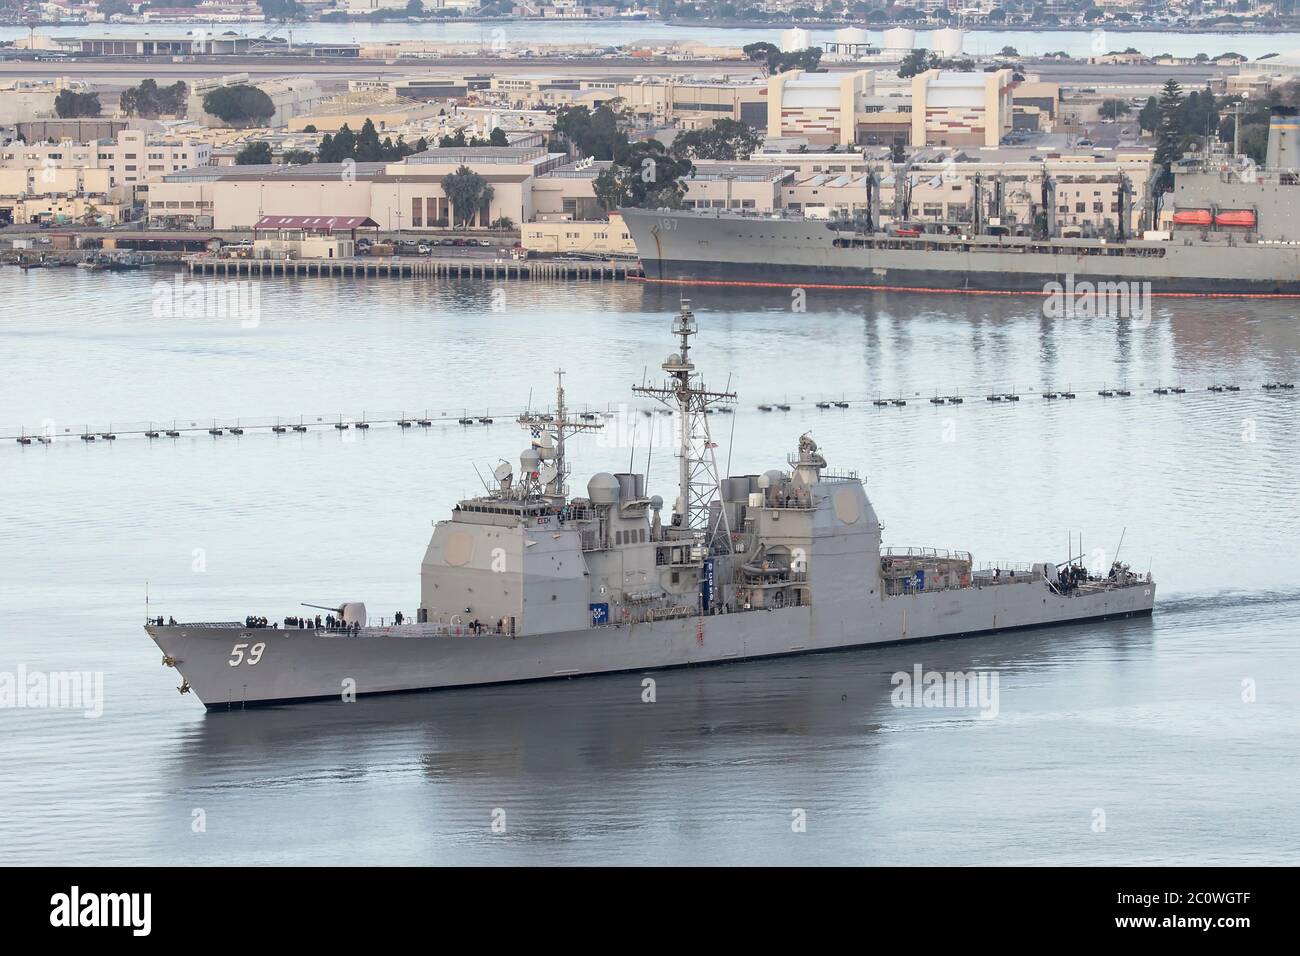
(557, 427)
(685, 394)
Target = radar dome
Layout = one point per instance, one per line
(528, 461)
(656, 503)
(603, 489)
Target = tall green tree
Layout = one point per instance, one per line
(254, 154)
(726, 139)
(644, 175)
(369, 149)
(453, 141)
(239, 105)
(1169, 132)
(773, 60)
(1149, 117)
(151, 100)
(468, 192)
(1114, 109)
(598, 133)
(70, 104)
(281, 9)
(917, 62)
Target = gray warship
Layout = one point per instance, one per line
(528, 582)
(721, 248)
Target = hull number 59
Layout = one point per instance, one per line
(237, 655)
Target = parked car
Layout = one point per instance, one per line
(424, 249)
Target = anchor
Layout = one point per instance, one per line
(169, 661)
(185, 686)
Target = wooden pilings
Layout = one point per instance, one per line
(411, 267)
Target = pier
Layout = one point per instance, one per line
(409, 267)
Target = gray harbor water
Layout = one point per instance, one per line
(1168, 740)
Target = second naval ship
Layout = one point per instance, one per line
(701, 247)
(529, 582)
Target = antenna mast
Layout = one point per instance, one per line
(685, 394)
(557, 428)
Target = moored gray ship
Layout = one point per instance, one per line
(1227, 236)
(530, 582)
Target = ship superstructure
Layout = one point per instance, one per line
(1228, 236)
(528, 581)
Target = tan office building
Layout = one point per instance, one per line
(961, 109)
(820, 107)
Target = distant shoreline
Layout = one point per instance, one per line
(820, 25)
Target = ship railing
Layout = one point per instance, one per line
(894, 587)
(789, 504)
(989, 567)
(241, 625)
(925, 553)
(435, 629)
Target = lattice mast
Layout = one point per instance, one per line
(557, 428)
(686, 395)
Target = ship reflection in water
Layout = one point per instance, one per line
(711, 769)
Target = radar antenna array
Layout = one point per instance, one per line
(557, 427)
(685, 394)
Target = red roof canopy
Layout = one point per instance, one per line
(315, 223)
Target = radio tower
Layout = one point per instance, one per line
(684, 393)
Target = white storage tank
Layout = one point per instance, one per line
(851, 36)
(900, 38)
(795, 40)
(948, 41)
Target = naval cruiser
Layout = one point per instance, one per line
(530, 582)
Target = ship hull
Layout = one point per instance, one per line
(699, 248)
(297, 665)
(973, 281)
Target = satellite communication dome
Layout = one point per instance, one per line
(502, 472)
(603, 489)
(528, 461)
(656, 503)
